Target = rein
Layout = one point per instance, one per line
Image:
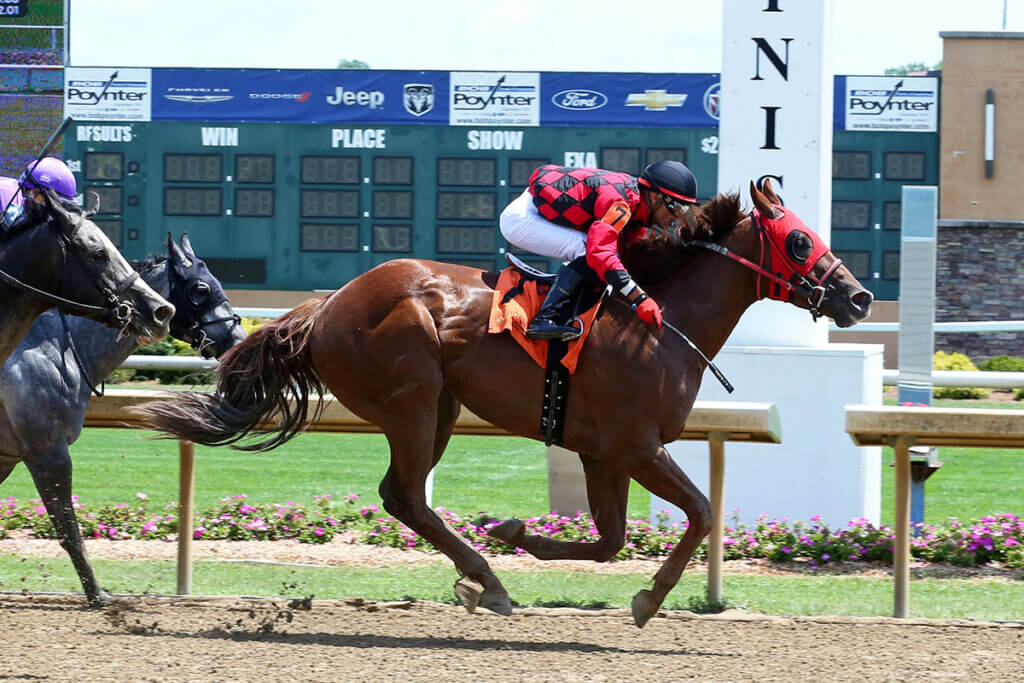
(707, 361)
(78, 359)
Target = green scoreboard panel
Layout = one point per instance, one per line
(308, 206)
(869, 170)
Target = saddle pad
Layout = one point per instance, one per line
(514, 316)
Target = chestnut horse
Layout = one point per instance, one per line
(405, 345)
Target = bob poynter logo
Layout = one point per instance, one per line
(418, 98)
(480, 96)
(83, 92)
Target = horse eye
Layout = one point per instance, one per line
(201, 289)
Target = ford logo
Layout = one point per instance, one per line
(579, 99)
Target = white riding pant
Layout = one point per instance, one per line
(522, 225)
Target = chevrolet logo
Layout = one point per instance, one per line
(655, 100)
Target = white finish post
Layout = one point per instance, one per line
(776, 119)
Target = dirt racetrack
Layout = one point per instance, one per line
(235, 639)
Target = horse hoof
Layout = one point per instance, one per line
(497, 602)
(100, 599)
(509, 531)
(644, 607)
(468, 592)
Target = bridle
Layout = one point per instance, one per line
(182, 294)
(815, 290)
(116, 309)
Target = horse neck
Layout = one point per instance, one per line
(99, 347)
(33, 261)
(706, 299)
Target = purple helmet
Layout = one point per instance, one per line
(53, 173)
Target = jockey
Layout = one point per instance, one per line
(48, 172)
(577, 215)
(10, 201)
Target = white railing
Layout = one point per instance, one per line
(890, 378)
(943, 328)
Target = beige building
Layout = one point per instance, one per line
(974, 62)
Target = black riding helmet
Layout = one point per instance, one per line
(673, 181)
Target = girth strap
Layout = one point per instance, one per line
(556, 394)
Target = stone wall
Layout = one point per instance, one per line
(980, 276)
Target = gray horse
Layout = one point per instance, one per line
(45, 384)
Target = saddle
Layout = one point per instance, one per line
(517, 298)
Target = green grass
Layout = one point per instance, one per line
(988, 599)
(504, 476)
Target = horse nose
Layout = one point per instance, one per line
(163, 314)
(862, 301)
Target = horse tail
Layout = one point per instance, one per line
(263, 387)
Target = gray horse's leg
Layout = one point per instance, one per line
(7, 465)
(51, 473)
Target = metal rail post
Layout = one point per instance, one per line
(901, 557)
(716, 445)
(186, 487)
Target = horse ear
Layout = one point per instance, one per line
(57, 208)
(769, 192)
(186, 245)
(176, 255)
(762, 203)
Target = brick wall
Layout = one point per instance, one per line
(980, 276)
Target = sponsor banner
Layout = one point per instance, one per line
(494, 98)
(301, 96)
(894, 103)
(107, 94)
(594, 99)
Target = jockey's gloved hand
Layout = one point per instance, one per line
(649, 311)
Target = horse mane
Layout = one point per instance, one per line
(660, 253)
(151, 262)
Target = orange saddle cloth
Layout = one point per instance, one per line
(515, 315)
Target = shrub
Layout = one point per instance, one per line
(956, 361)
(1003, 364)
(250, 325)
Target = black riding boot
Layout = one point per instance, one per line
(554, 319)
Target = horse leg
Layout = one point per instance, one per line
(661, 476)
(52, 476)
(7, 465)
(607, 493)
(403, 494)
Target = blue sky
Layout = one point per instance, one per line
(682, 36)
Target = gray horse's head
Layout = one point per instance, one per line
(203, 316)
